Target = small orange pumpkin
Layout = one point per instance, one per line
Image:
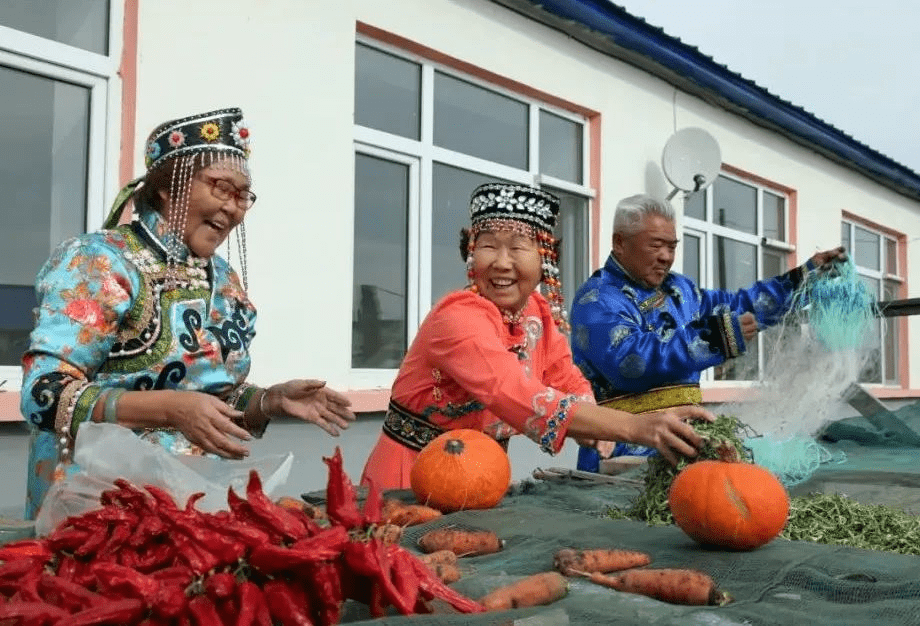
(461, 469)
(732, 505)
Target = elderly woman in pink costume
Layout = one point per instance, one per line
(494, 356)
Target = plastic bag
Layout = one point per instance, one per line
(105, 452)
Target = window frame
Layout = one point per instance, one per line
(707, 230)
(883, 276)
(427, 154)
(25, 52)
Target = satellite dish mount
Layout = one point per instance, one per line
(691, 160)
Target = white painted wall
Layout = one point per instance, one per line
(290, 65)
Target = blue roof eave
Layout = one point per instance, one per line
(608, 28)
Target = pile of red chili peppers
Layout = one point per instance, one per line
(141, 559)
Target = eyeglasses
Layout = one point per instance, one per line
(225, 190)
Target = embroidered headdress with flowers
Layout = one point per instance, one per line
(527, 211)
(214, 139)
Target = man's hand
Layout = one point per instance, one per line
(749, 326)
(820, 259)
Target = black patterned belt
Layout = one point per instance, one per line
(413, 430)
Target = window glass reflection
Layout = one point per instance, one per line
(45, 123)
(79, 23)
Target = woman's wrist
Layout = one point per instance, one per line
(264, 407)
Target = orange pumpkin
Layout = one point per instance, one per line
(461, 469)
(733, 505)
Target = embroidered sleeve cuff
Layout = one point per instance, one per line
(725, 334)
(557, 424)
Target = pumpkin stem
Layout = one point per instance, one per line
(454, 446)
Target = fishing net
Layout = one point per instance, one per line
(811, 360)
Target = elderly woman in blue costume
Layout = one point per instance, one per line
(144, 325)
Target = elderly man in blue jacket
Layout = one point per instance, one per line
(642, 333)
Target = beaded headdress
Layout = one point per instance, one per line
(213, 139)
(528, 211)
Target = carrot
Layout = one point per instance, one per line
(542, 588)
(402, 514)
(460, 542)
(446, 572)
(440, 557)
(387, 533)
(677, 586)
(569, 561)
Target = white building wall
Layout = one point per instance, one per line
(290, 65)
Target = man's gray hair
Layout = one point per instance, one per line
(630, 212)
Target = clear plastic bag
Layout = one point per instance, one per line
(105, 452)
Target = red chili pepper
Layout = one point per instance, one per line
(192, 499)
(226, 550)
(220, 586)
(153, 557)
(262, 506)
(26, 549)
(325, 545)
(244, 514)
(203, 611)
(178, 574)
(341, 500)
(162, 498)
(27, 587)
(67, 594)
(201, 561)
(93, 543)
(326, 580)
(123, 611)
(125, 581)
(283, 605)
(249, 536)
(67, 539)
(377, 603)
(117, 538)
(170, 600)
(38, 612)
(13, 571)
(432, 587)
(253, 607)
(67, 567)
(405, 580)
(373, 504)
(149, 527)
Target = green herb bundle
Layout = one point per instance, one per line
(820, 518)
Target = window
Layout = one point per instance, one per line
(425, 137)
(734, 233)
(54, 74)
(875, 255)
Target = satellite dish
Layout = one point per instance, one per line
(691, 160)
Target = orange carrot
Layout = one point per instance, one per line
(403, 514)
(677, 586)
(569, 561)
(542, 588)
(446, 572)
(441, 557)
(387, 533)
(460, 542)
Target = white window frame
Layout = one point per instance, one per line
(707, 230)
(20, 51)
(426, 154)
(881, 275)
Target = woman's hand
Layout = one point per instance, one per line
(310, 401)
(206, 421)
(668, 431)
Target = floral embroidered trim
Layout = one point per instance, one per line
(551, 441)
(409, 429)
(66, 407)
(85, 404)
(176, 138)
(210, 131)
(731, 341)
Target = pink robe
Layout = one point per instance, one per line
(467, 368)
